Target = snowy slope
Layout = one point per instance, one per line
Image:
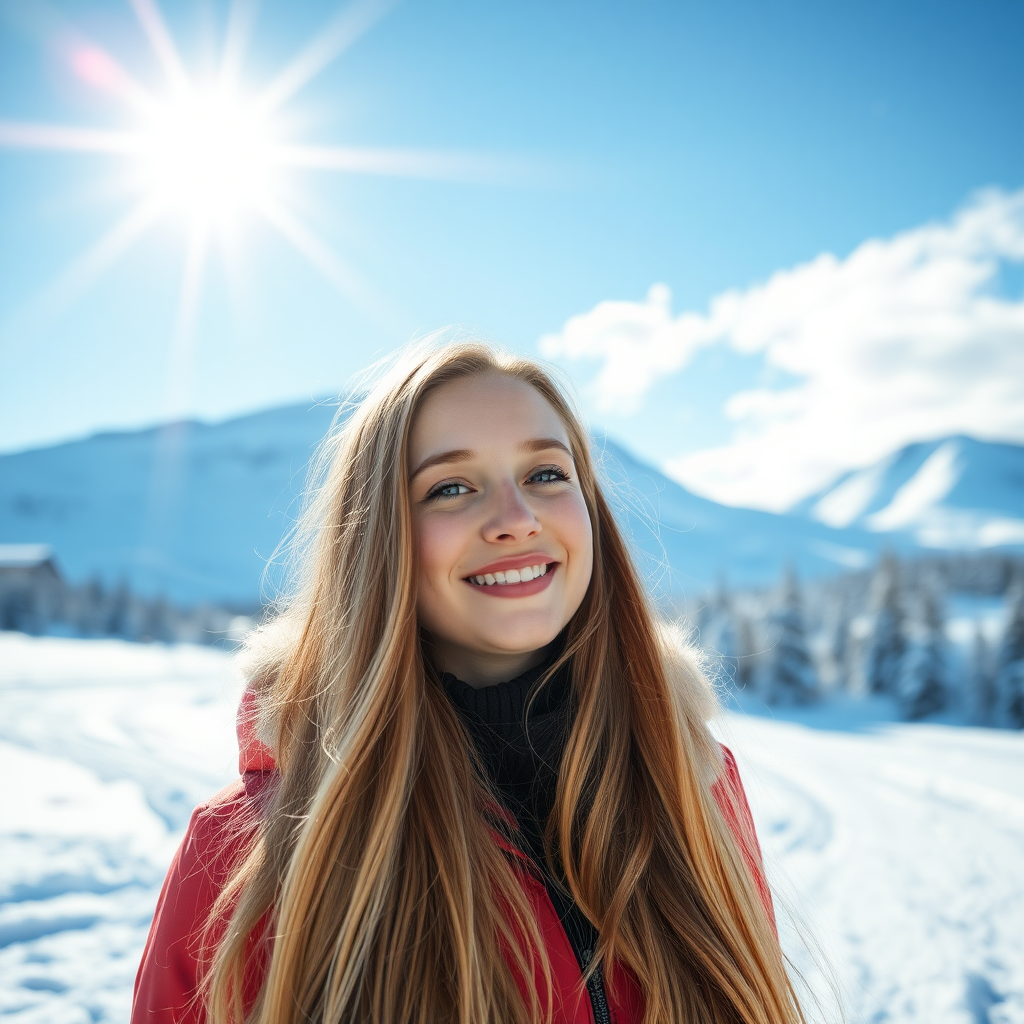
(955, 493)
(194, 510)
(105, 747)
(897, 847)
(687, 541)
(896, 850)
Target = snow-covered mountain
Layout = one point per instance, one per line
(686, 542)
(194, 510)
(956, 493)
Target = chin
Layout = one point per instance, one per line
(512, 641)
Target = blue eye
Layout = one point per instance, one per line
(548, 475)
(453, 489)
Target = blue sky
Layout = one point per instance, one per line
(703, 147)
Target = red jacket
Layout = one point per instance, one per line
(166, 984)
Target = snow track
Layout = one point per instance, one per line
(901, 851)
(105, 748)
(896, 850)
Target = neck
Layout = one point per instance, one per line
(478, 669)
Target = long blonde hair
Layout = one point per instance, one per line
(372, 883)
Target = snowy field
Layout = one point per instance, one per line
(897, 849)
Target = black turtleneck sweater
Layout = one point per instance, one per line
(520, 741)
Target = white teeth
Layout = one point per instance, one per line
(524, 575)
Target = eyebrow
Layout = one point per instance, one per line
(534, 444)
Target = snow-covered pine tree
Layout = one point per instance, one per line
(921, 687)
(790, 677)
(718, 632)
(119, 619)
(746, 651)
(886, 643)
(839, 641)
(91, 602)
(981, 693)
(159, 621)
(1010, 675)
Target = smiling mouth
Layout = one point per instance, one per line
(512, 577)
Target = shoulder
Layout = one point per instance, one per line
(732, 801)
(730, 773)
(220, 830)
(218, 835)
(229, 816)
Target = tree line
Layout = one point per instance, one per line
(877, 632)
(884, 632)
(53, 606)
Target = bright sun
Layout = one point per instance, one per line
(209, 155)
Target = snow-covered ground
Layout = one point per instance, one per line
(105, 747)
(897, 849)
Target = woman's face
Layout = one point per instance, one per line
(504, 547)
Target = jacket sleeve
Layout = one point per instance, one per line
(176, 953)
(731, 798)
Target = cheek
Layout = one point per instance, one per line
(578, 538)
(430, 548)
(439, 543)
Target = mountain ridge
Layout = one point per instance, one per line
(195, 510)
(955, 492)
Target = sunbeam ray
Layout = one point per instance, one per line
(48, 304)
(339, 34)
(183, 345)
(24, 135)
(241, 17)
(402, 163)
(324, 259)
(165, 486)
(150, 19)
(211, 153)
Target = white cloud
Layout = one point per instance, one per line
(905, 339)
(637, 341)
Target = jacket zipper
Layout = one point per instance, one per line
(580, 933)
(596, 991)
(582, 936)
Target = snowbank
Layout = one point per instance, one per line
(897, 848)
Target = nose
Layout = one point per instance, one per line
(510, 518)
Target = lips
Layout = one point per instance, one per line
(503, 584)
(513, 570)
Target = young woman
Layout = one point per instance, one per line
(477, 782)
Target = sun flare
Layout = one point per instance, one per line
(204, 152)
(209, 155)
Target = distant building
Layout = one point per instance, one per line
(31, 587)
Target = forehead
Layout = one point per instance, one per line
(487, 411)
